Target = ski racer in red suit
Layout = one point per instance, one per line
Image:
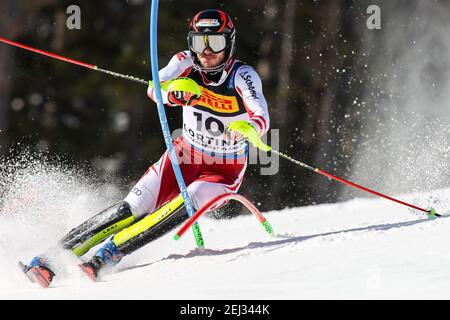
(212, 160)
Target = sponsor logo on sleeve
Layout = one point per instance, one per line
(249, 82)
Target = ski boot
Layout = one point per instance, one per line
(108, 255)
(38, 271)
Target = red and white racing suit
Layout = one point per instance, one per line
(212, 163)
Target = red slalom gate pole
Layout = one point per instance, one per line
(431, 212)
(72, 61)
(219, 199)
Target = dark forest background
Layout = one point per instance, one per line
(311, 55)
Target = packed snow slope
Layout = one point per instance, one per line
(359, 249)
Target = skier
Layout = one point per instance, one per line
(212, 159)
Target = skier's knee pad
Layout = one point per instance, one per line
(151, 227)
(123, 211)
(97, 228)
(200, 192)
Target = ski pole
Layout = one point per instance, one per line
(183, 84)
(72, 61)
(431, 212)
(252, 136)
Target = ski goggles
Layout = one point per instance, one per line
(199, 42)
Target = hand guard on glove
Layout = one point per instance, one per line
(182, 98)
(244, 130)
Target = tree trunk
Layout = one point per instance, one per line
(327, 139)
(7, 23)
(265, 66)
(284, 82)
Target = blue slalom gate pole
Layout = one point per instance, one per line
(163, 119)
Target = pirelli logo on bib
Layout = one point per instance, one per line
(217, 102)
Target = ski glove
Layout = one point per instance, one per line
(182, 98)
(247, 132)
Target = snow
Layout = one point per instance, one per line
(359, 249)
